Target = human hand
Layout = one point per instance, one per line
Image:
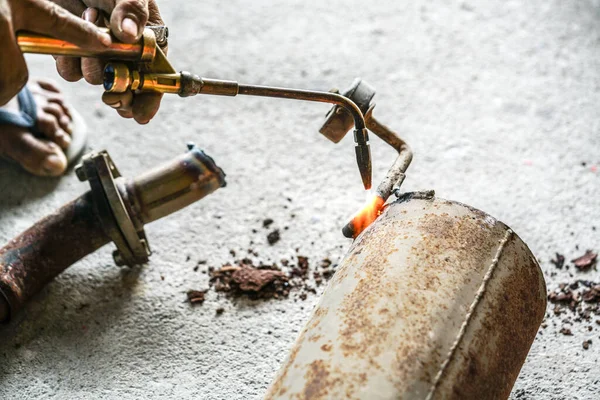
(127, 19)
(44, 17)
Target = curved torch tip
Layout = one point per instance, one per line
(348, 230)
(363, 159)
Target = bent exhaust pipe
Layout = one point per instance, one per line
(114, 210)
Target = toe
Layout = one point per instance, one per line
(37, 156)
(48, 125)
(48, 84)
(58, 112)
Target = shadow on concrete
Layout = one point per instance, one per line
(17, 186)
(65, 310)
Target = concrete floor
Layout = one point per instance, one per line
(499, 99)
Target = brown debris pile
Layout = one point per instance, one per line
(580, 297)
(243, 278)
(246, 279)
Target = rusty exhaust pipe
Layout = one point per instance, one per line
(114, 210)
(434, 299)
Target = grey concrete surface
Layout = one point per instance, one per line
(500, 100)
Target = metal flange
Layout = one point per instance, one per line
(103, 176)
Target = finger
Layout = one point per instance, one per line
(128, 19)
(48, 18)
(13, 70)
(118, 100)
(92, 68)
(69, 68)
(125, 113)
(154, 17)
(145, 106)
(58, 112)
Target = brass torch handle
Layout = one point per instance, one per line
(144, 50)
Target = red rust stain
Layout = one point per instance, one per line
(320, 313)
(319, 381)
(314, 338)
(457, 247)
(327, 347)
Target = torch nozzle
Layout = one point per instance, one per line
(363, 156)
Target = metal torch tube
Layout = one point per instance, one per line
(30, 42)
(307, 95)
(39, 254)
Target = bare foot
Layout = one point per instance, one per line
(40, 156)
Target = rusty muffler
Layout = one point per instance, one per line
(115, 209)
(434, 300)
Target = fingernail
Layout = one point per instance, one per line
(129, 27)
(90, 15)
(53, 164)
(116, 105)
(105, 39)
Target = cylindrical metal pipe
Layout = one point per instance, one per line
(77, 229)
(435, 300)
(30, 42)
(39, 254)
(174, 185)
(39, 44)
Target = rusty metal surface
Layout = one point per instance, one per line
(113, 210)
(32, 259)
(433, 300)
(100, 172)
(172, 186)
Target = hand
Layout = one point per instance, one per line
(127, 19)
(40, 16)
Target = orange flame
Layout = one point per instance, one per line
(369, 213)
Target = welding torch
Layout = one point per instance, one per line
(143, 67)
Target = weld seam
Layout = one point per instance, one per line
(463, 329)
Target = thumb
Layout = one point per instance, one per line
(128, 19)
